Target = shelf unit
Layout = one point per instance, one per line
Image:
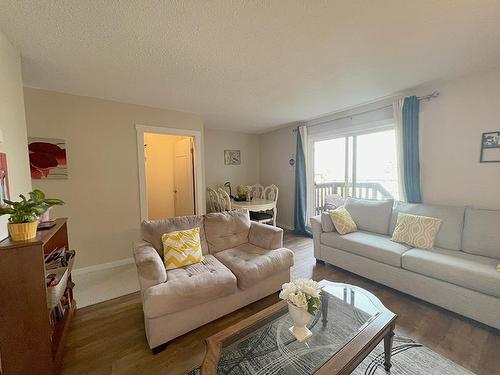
(29, 342)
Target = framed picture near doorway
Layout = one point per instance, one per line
(232, 157)
(490, 147)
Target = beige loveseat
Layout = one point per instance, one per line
(459, 273)
(243, 262)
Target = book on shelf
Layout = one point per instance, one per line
(57, 263)
(59, 257)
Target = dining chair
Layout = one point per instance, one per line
(226, 188)
(257, 191)
(213, 204)
(224, 200)
(270, 193)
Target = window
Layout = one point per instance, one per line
(361, 165)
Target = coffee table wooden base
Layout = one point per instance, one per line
(354, 352)
(343, 361)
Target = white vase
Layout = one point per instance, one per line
(300, 318)
(45, 216)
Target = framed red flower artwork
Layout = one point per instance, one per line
(47, 158)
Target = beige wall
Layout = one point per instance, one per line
(451, 128)
(13, 124)
(216, 141)
(276, 149)
(102, 191)
(160, 155)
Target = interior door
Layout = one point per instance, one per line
(184, 177)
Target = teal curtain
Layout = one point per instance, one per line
(300, 211)
(411, 158)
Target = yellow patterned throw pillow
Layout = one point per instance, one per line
(416, 231)
(181, 248)
(343, 221)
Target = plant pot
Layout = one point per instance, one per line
(300, 318)
(23, 231)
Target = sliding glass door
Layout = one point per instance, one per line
(357, 165)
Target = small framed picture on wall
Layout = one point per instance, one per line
(232, 157)
(490, 147)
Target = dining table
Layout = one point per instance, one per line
(254, 205)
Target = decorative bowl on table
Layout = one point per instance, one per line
(244, 192)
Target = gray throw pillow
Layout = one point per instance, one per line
(326, 222)
(333, 201)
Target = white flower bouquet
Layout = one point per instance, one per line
(302, 293)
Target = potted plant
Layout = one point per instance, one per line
(303, 297)
(24, 214)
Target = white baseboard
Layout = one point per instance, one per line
(102, 266)
(285, 226)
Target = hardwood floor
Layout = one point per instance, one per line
(108, 338)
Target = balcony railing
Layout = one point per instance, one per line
(366, 190)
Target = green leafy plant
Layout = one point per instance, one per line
(313, 304)
(28, 210)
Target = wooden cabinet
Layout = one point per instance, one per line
(31, 341)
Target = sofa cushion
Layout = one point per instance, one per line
(342, 221)
(333, 201)
(326, 222)
(482, 232)
(152, 230)
(225, 230)
(371, 215)
(469, 271)
(252, 264)
(416, 231)
(189, 286)
(450, 231)
(181, 248)
(369, 245)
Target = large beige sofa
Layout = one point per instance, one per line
(459, 273)
(244, 262)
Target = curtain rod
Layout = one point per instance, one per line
(428, 97)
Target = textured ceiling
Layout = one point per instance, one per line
(248, 65)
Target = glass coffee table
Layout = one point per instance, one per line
(349, 325)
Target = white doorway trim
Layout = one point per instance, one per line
(198, 176)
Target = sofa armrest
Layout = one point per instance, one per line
(265, 236)
(317, 229)
(150, 267)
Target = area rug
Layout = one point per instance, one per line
(408, 358)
